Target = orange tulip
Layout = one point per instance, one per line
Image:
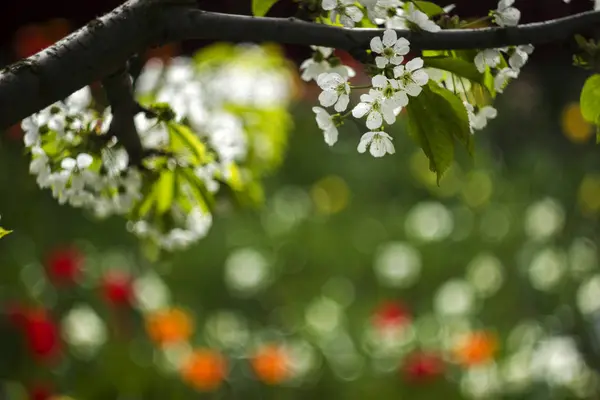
(476, 348)
(204, 370)
(270, 364)
(169, 326)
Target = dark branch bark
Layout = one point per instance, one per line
(119, 92)
(198, 24)
(106, 43)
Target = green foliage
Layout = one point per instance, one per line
(429, 8)
(4, 232)
(261, 7)
(436, 119)
(590, 102)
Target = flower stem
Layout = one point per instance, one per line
(361, 86)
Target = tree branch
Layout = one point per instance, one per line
(119, 92)
(106, 43)
(197, 24)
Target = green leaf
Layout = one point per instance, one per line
(164, 190)
(4, 232)
(457, 66)
(436, 118)
(429, 8)
(590, 99)
(204, 199)
(261, 7)
(182, 137)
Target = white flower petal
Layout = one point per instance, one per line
(381, 62)
(360, 110)
(68, 163)
(379, 81)
(354, 13)
(389, 38)
(420, 77)
(342, 103)
(402, 46)
(414, 64)
(330, 135)
(377, 45)
(328, 98)
(374, 120)
(84, 160)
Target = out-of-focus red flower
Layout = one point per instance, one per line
(64, 265)
(117, 288)
(42, 335)
(420, 366)
(33, 38)
(391, 315)
(40, 392)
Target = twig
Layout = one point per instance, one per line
(106, 43)
(119, 92)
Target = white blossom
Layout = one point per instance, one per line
(391, 49)
(326, 124)
(312, 67)
(478, 120)
(348, 12)
(420, 19)
(379, 144)
(487, 57)
(502, 78)
(394, 95)
(336, 90)
(411, 76)
(506, 15)
(375, 106)
(520, 56)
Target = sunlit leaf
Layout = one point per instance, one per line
(164, 190)
(261, 7)
(429, 8)
(182, 137)
(436, 118)
(4, 232)
(590, 99)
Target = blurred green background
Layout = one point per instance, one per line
(358, 277)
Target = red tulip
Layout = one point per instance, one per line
(117, 288)
(391, 315)
(419, 367)
(64, 265)
(42, 335)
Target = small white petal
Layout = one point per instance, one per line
(414, 64)
(354, 13)
(360, 110)
(377, 45)
(84, 160)
(402, 46)
(389, 38)
(420, 77)
(330, 135)
(68, 163)
(381, 62)
(342, 103)
(379, 81)
(328, 98)
(374, 120)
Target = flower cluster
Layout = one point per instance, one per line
(63, 140)
(393, 83)
(206, 123)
